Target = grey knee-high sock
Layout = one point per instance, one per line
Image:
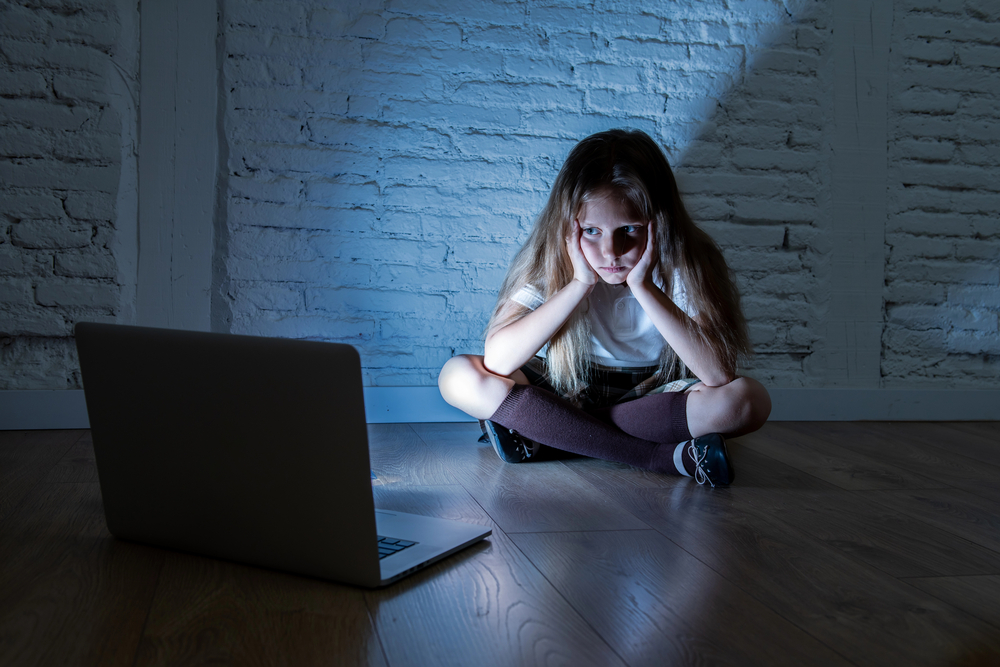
(543, 417)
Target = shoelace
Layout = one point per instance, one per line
(521, 447)
(700, 475)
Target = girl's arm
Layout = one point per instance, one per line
(509, 347)
(672, 322)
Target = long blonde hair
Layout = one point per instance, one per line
(628, 166)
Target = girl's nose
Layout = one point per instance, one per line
(609, 248)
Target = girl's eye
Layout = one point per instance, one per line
(590, 231)
(631, 229)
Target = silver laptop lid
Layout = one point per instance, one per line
(249, 449)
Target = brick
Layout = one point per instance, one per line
(274, 325)
(352, 301)
(262, 214)
(60, 175)
(651, 50)
(272, 297)
(409, 30)
(16, 292)
(90, 205)
(94, 147)
(757, 210)
(22, 22)
(457, 116)
(784, 61)
(56, 55)
(292, 159)
(34, 323)
(905, 247)
(285, 17)
(262, 242)
(279, 190)
(519, 67)
(432, 279)
(930, 102)
(44, 115)
(342, 195)
(942, 271)
(289, 100)
(927, 150)
(451, 172)
(493, 13)
(779, 160)
(92, 27)
(95, 263)
(23, 84)
(927, 51)
(606, 75)
(90, 295)
(367, 250)
(973, 342)
(50, 234)
(506, 37)
(23, 205)
(980, 55)
(975, 296)
(24, 143)
(948, 176)
(902, 292)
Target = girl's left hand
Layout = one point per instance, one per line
(643, 269)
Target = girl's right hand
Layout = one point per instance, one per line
(582, 271)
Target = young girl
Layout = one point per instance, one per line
(614, 300)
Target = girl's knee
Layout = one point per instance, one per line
(754, 403)
(459, 374)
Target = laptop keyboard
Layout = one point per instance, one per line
(388, 546)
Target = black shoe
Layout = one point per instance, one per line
(711, 460)
(507, 443)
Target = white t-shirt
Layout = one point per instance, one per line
(621, 333)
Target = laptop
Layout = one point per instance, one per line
(247, 449)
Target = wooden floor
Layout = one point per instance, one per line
(839, 544)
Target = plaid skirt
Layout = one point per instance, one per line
(609, 384)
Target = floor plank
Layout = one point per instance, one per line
(530, 497)
(76, 465)
(979, 596)
(885, 444)
(208, 611)
(836, 464)
(658, 605)
(400, 456)
(956, 511)
(871, 618)
(485, 606)
(25, 458)
(70, 594)
(887, 539)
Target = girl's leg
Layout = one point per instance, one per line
(655, 417)
(734, 409)
(543, 417)
(740, 407)
(466, 384)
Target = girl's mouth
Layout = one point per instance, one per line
(613, 269)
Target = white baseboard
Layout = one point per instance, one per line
(30, 410)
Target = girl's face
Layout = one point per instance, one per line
(611, 242)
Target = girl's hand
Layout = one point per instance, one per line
(582, 271)
(643, 269)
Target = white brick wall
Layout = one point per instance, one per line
(942, 294)
(386, 162)
(386, 159)
(60, 164)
